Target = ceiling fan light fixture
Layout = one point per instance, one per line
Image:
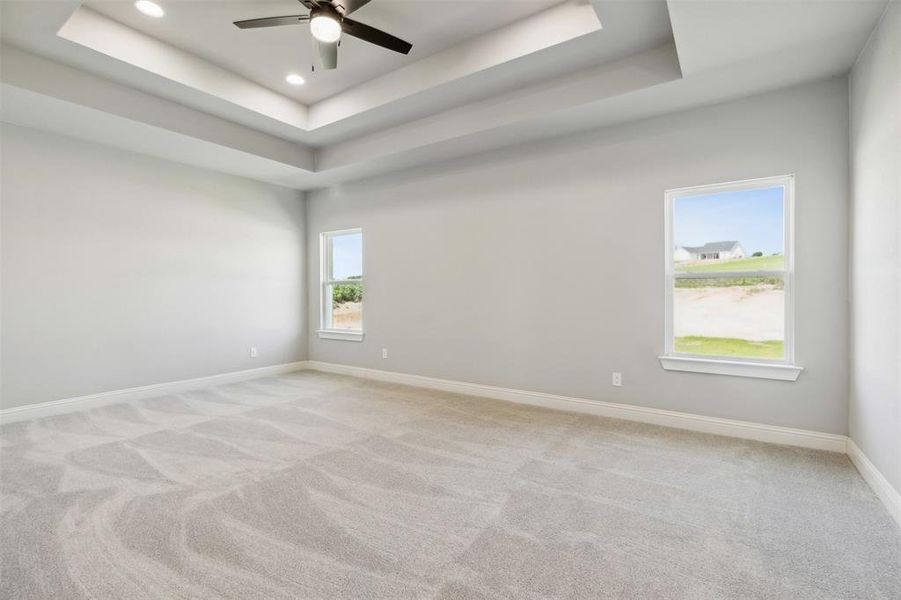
(151, 9)
(328, 23)
(325, 28)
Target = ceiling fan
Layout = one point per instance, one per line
(328, 20)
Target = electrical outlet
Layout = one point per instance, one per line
(617, 379)
(253, 352)
(384, 353)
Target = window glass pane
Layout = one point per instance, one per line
(345, 305)
(729, 231)
(739, 317)
(347, 256)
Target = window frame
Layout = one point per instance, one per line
(784, 368)
(325, 271)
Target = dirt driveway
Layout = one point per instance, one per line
(348, 315)
(746, 312)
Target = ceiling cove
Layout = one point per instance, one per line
(482, 75)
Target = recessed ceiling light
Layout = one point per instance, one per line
(151, 9)
(295, 79)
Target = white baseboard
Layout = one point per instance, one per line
(727, 427)
(56, 407)
(884, 490)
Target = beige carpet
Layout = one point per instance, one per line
(317, 486)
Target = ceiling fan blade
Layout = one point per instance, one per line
(375, 36)
(272, 21)
(328, 53)
(345, 7)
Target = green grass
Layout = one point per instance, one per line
(776, 282)
(693, 344)
(757, 263)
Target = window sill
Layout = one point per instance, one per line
(341, 334)
(731, 367)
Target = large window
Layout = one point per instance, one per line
(342, 285)
(729, 275)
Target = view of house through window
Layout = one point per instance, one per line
(342, 280)
(729, 277)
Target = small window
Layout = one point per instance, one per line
(729, 277)
(342, 285)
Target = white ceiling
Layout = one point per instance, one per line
(720, 33)
(265, 56)
(217, 99)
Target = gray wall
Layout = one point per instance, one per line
(120, 270)
(875, 415)
(541, 268)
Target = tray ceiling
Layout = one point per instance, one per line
(484, 75)
(265, 56)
